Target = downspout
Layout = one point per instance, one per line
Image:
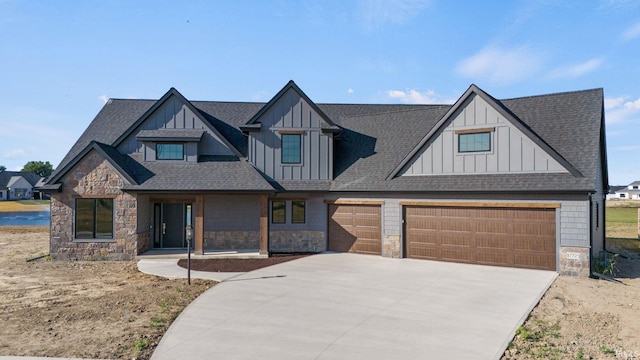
(591, 234)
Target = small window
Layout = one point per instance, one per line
(298, 212)
(169, 151)
(278, 212)
(623, 195)
(291, 150)
(94, 218)
(475, 142)
(635, 187)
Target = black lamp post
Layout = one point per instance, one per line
(189, 236)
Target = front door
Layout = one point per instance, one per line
(170, 220)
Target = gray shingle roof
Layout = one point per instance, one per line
(373, 140)
(5, 177)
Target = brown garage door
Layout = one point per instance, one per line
(355, 228)
(519, 237)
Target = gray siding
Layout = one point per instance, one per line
(291, 112)
(315, 211)
(574, 223)
(511, 150)
(232, 213)
(174, 114)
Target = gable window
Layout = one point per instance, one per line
(291, 149)
(474, 142)
(169, 151)
(94, 218)
(278, 212)
(298, 215)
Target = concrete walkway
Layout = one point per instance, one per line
(169, 268)
(346, 306)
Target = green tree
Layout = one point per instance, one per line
(43, 169)
(2, 168)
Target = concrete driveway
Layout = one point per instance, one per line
(347, 306)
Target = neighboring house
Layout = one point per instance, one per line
(518, 182)
(626, 192)
(17, 185)
(37, 190)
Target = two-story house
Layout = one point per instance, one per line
(517, 182)
(627, 192)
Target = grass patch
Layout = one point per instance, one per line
(622, 215)
(24, 205)
(622, 223)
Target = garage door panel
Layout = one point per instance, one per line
(518, 237)
(355, 228)
(535, 261)
(534, 245)
(456, 240)
(492, 227)
(454, 225)
(498, 242)
(457, 255)
(494, 258)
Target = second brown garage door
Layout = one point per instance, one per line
(355, 228)
(516, 237)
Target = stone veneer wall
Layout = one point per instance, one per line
(574, 261)
(296, 241)
(391, 246)
(231, 240)
(93, 177)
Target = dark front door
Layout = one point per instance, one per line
(170, 220)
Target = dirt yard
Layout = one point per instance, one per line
(81, 309)
(588, 318)
(110, 310)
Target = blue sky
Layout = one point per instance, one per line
(61, 60)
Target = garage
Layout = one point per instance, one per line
(355, 228)
(515, 236)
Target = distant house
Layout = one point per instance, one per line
(517, 182)
(625, 192)
(17, 185)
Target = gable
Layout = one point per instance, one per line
(293, 117)
(18, 182)
(511, 150)
(174, 113)
(291, 110)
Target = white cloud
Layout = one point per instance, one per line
(104, 98)
(412, 96)
(634, 105)
(377, 13)
(610, 103)
(620, 110)
(501, 66)
(577, 70)
(350, 91)
(632, 32)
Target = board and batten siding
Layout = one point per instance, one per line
(174, 114)
(292, 112)
(232, 213)
(511, 150)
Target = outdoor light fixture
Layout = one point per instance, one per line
(189, 236)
